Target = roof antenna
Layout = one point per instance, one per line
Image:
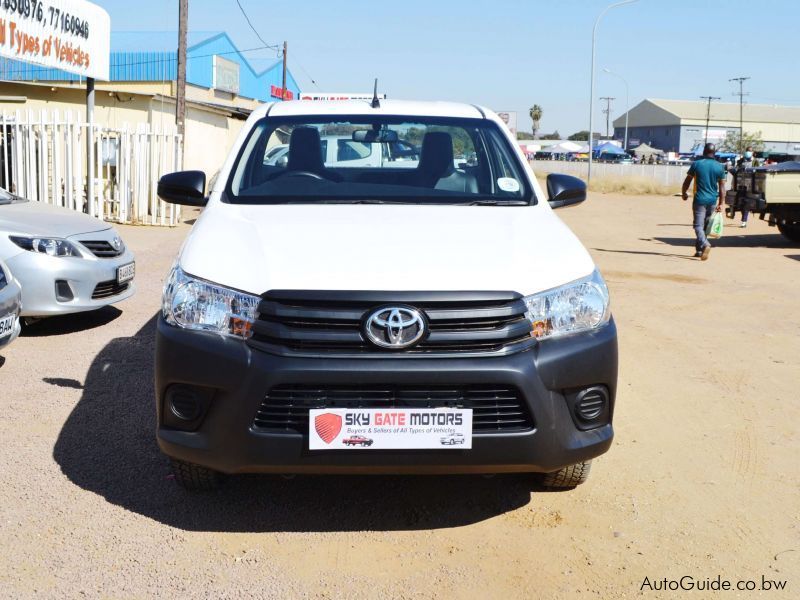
(375, 102)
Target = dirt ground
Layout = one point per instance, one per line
(702, 479)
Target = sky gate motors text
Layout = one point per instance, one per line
(402, 418)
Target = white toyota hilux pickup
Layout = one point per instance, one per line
(439, 313)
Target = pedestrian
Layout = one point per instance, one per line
(745, 162)
(709, 192)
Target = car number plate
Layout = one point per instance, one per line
(126, 272)
(7, 325)
(390, 428)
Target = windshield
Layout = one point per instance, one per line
(377, 159)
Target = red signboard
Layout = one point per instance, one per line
(279, 92)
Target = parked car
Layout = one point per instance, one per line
(772, 190)
(422, 285)
(65, 261)
(10, 301)
(357, 440)
(344, 151)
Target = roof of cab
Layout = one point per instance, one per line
(293, 108)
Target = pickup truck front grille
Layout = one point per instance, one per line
(330, 323)
(495, 409)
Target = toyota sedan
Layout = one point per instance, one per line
(9, 306)
(65, 261)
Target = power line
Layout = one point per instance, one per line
(708, 112)
(271, 46)
(741, 93)
(607, 111)
(310, 78)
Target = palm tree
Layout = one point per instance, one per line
(536, 115)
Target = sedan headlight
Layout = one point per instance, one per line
(196, 304)
(579, 306)
(49, 246)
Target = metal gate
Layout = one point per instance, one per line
(45, 158)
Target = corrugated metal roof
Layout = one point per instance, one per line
(729, 111)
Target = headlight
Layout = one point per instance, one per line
(49, 246)
(3, 278)
(197, 304)
(582, 305)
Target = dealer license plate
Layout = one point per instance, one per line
(390, 429)
(126, 272)
(7, 325)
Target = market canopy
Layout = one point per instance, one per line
(645, 150)
(562, 148)
(609, 148)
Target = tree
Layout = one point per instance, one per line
(734, 142)
(583, 136)
(535, 113)
(551, 136)
(580, 136)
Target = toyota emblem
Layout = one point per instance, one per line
(395, 327)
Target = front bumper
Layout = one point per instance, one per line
(10, 305)
(238, 377)
(38, 274)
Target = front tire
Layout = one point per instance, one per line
(790, 231)
(194, 477)
(568, 477)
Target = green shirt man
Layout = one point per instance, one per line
(709, 190)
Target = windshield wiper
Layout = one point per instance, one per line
(495, 203)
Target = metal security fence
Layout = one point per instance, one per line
(667, 175)
(46, 158)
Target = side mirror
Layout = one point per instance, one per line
(565, 190)
(183, 187)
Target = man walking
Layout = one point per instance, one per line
(709, 192)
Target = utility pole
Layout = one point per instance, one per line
(741, 95)
(708, 113)
(180, 100)
(607, 111)
(283, 89)
(90, 208)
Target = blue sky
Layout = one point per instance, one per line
(509, 54)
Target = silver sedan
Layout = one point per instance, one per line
(10, 301)
(65, 261)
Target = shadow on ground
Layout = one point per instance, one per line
(107, 446)
(64, 324)
(644, 253)
(735, 240)
(793, 256)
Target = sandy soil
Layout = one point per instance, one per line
(702, 479)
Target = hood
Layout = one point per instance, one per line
(383, 247)
(39, 219)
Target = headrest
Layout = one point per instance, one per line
(437, 153)
(305, 151)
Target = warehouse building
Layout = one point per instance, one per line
(680, 125)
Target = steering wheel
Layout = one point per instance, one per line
(300, 174)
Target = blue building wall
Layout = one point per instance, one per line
(161, 65)
(252, 84)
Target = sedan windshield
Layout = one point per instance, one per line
(376, 160)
